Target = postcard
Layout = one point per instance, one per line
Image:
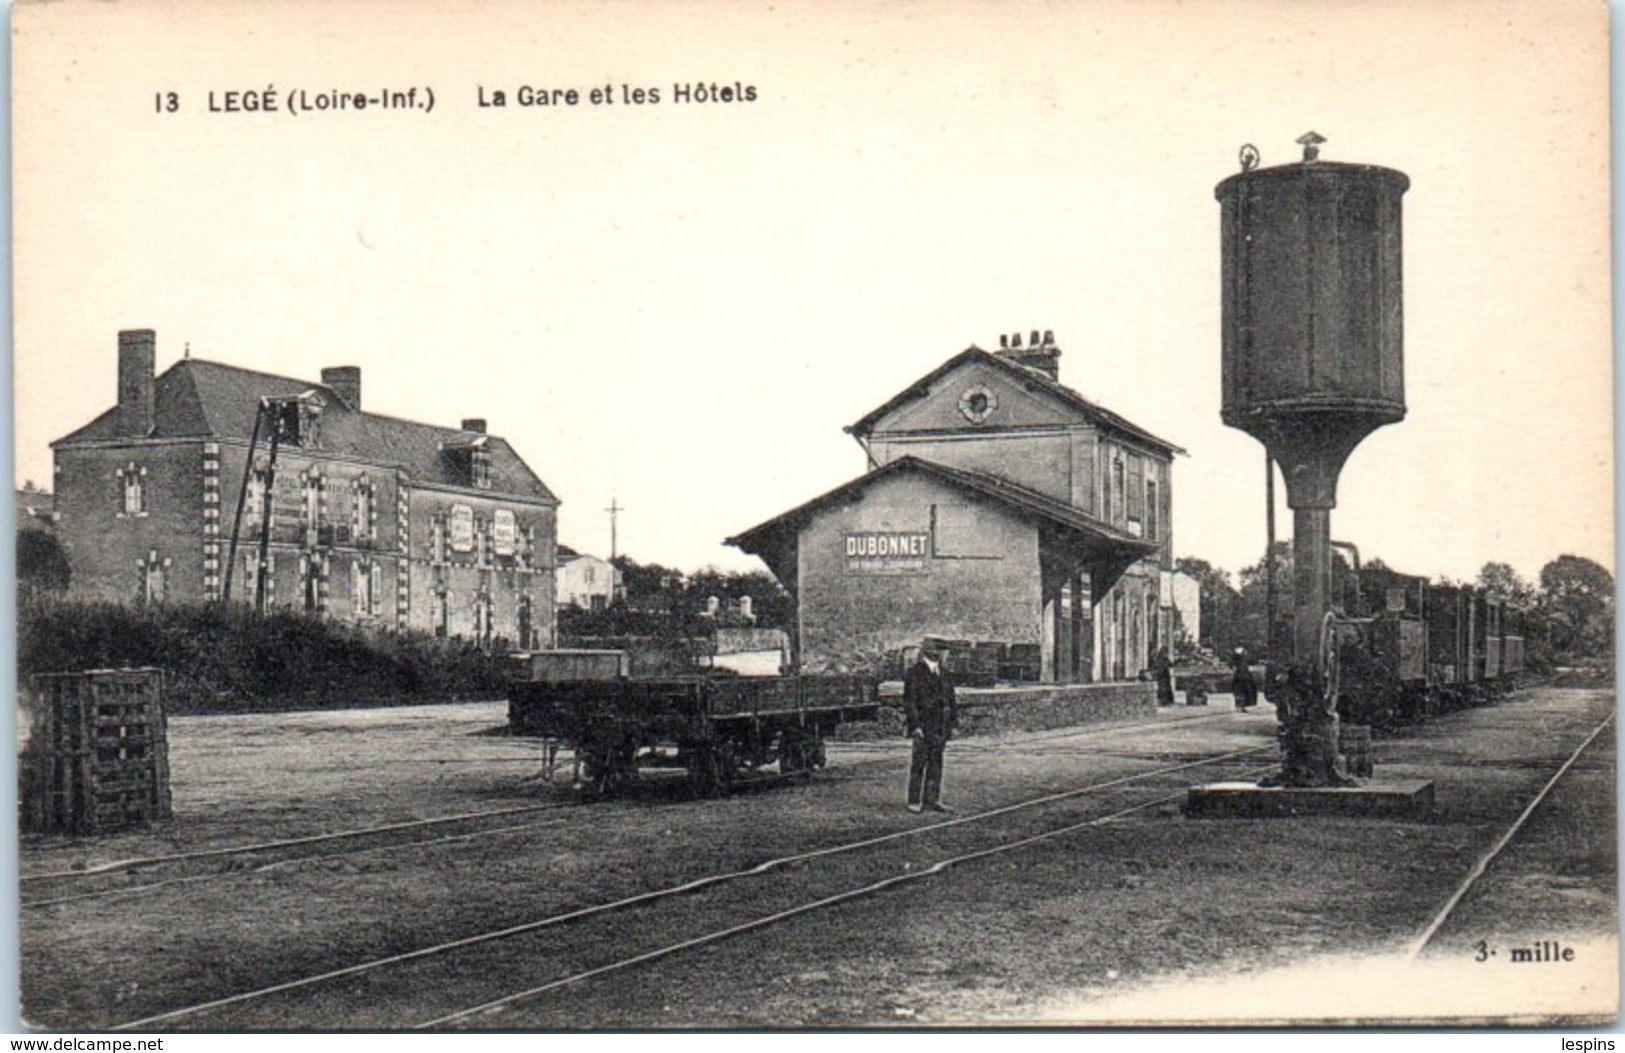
(776, 515)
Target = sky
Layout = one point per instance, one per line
(678, 306)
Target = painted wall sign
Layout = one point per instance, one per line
(504, 532)
(462, 528)
(887, 552)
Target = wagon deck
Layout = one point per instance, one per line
(716, 728)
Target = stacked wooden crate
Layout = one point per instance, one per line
(95, 754)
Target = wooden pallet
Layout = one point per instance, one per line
(96, 759)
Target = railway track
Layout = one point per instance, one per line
(160, 872)
(49, 888)
(543, 961)
(592, 940)
(1507, 838)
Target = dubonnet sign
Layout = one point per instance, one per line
(887, 552)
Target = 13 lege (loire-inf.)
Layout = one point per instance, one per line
(616, 94)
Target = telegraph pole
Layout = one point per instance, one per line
(614, 510)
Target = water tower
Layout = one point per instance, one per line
(1313, 363)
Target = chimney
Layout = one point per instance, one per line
(475, 424)
(1040, 353)
(136, 357)
(345, 382)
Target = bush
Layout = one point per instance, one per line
(220, 661)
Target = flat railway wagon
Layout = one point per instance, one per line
(719, 729)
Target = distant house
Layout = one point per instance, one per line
(585, 581)
(36, 509)
(1184, 594)
(179, 494)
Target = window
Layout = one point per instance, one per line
(132, 491)
(479, 468)
(362, 521)
(153, 579)
(311, 573)
(311, 505)
(437, 539)
(366, 585)
(524, 623)
(254, 500)
(251, 576)
(482, 618)
(1136, 489)
(438, 608)
(1150, 510)
(1114, 495)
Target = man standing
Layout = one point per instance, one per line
(1163, 671)
(930, 712)
(1242, 682)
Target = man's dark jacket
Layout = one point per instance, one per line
(928, 702)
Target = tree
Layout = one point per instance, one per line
(653, 588)
(1251, 611)
(1503, 583)
(649, 585)
(42, 566)
(1220, 603)
(771, 606)
(1578, 596)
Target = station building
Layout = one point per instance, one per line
(999, 507)
(365, 518)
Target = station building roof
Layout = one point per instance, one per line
(775, 540)
(1034, 379)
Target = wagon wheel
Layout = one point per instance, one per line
(711, 769)
(702, 772)
(795, 754)
(607, 769)
(727, 766)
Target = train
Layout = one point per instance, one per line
(717, 728)
(1402, 648)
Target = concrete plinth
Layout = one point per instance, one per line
(1375, 799)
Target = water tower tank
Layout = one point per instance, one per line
(1313, 327)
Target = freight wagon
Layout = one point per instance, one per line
(1423, 649)
(718, 729)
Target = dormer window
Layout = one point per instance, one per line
(296, 421)
(470, 461)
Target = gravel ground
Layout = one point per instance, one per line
(1151, 918)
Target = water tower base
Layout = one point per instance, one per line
(1374, 799)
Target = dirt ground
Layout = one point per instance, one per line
(1155, 917)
